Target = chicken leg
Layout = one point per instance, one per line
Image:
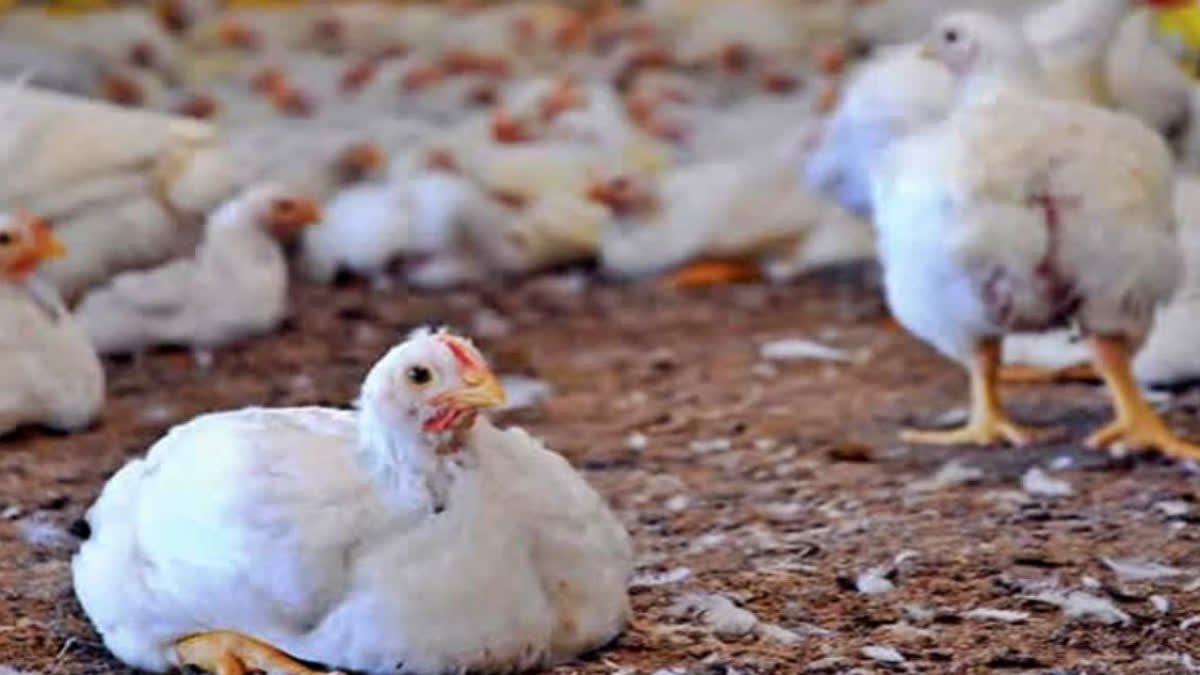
(1136, 423)
(1026, 374)
(988, 422)
(226, 652)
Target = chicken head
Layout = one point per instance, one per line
(25, 241)
(281, 211)
(434, 381)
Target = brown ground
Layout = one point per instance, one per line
(813, 490)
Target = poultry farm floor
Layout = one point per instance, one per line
(780, 485)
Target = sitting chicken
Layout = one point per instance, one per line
(409, 536)
(233, 287)
(1021, 212)
(50, 374)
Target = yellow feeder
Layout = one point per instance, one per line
(1179, 24)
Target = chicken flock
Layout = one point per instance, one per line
(1025, 172)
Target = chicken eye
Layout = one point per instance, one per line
(420, 375)
(6, 238)
(951, 35)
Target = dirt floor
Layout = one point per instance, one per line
(780, 486)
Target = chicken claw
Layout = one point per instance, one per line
(226, 652)
(988, 423)
(1137, 424)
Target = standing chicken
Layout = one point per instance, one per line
(410, 536)
(235, 286)
(1021, 212)
(49, 374)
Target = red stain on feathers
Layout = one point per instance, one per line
(1060, 291)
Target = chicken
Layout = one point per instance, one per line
(1042, 211)
(897, 92)
(235, 286)
(49, 372)
(410, 534)
(1143, 77)
(366, 227)
(135, 198)
(1072, 38)
(893, 95)
(1168, 356)
(662, 223)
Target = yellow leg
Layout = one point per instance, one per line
(988, 423)
(1024, 374)
(1137, 424)
(226, 652)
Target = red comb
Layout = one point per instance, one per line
(466, 356)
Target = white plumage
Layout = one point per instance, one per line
(1021, 212)
(367, 227)
(233, 287)
(1169, 355)
(49, 373)
(888, 98)
(408, 536)
(897, 92)
(1143, 78)
(974, 252)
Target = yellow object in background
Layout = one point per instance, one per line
(68, 7)
(1179, 25)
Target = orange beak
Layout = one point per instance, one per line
(48, 245)
(482, 390)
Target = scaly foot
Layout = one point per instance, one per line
(226, 652)
(987, 431)
(1138, 425)
(1144, 431)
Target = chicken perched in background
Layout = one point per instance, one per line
(662, 223)
(1144, 77)
(1042, 212)
(893, 95)
(235, 286)
(49, 373)
(1072, 38)
(410, 532)
(136, 197)
(367, 227)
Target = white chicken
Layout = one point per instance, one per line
(410, 536)
(1169, 355)
(1143, 77)
(1021, 212)
(134, 199)
(366, 227)
(234, 286)
(1072, 38)
(897, 92)
(889, 97)
(49, 373)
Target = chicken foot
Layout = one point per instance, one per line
(226, 652)
(1137, 424)
(988, 422)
